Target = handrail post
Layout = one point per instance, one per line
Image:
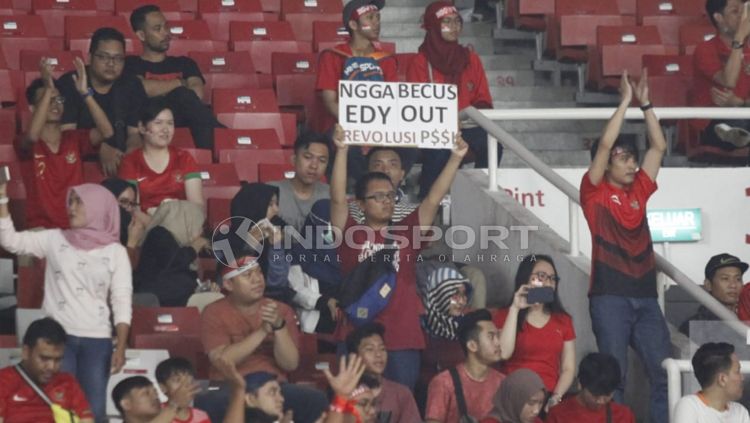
(492, 162)
(575, 248)
(674, 384)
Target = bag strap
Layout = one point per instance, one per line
(459, 392)
(429, 70)
(33, 385)
(609, 412)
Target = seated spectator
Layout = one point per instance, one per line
(87, 284)
(56, 155)
(127, 200)
(41, 356)
(256, 334)
(177, 80)
(441, 59)
(376, 195)
(520, 399)
(720, 75)
(717, 369)
(445, 298)
(159, 171)
(480, 341)
(137, 401)
(396, 403)
(598, 378)
(263, 398)
(724, 282)
(314, 274)
(538, 336)
(120, 96)
(297, 195)
(172, 374)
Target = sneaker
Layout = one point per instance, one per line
(738, 137)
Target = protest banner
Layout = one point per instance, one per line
(398, 114)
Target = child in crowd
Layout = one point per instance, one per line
(171, 374)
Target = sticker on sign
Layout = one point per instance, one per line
(398, 114)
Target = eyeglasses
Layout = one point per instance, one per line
(545, 277)
(106, 58)
(58, 99)
(381, 196)
(126, 204)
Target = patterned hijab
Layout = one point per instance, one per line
(443, 284)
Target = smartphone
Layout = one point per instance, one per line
(265, 224)
(540, 295)
(4, 174)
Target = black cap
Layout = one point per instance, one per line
(723, 260)
(356, 4)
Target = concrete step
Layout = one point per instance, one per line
(512, 34)
(411, 29)
(512, 78)
(400, 13)
(543, 95)
(572, 126)
(482, 45)
(552, 158)
(503, 61)
(556, 141)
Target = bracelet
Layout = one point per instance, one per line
(279, 327)
(4, 200)
(340, 405)
(647, 106)
(88, 93)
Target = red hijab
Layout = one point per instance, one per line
(450, 58)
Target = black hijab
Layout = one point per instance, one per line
(117, 186)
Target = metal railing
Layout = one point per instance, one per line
(484, 118)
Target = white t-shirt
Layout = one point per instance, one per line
(691, 409)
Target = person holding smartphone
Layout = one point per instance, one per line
(538, 335)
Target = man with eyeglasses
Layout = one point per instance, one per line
(376, 195)
(177, 79)
(56, 154)
(120, 97)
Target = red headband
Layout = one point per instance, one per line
(445, 11)
(361, 11)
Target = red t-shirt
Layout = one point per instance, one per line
(441, 395)
(20, 404)
(330, 71)
(708, 59)
(51, 175)
(154, 187)
(196, 416)
(494, 420)
(743, 308)
(571, 410)
(539, 349)
(472, 89)
(224, 324)
(400, 317)
(622, 261)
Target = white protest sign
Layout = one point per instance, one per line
(400, 114)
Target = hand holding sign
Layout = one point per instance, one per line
(461, 147)
(338, 138)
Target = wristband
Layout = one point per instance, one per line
(737, 44)
(340, 405)
(4, 200)
(88, 93)
(279, 327)
(647, 106)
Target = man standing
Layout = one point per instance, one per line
(177, 79)
(121, 97)
(42, 353)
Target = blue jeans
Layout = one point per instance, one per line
(619, 322)
(89, 360)
(403, 367)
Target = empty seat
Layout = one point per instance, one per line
(247, 162)
(8, 341)
(218, 211)
(219, 180)
(233, 69)
(327, 34)
(268, 172)
(79, 29)
(244, 139)
(192, 35)
(262, 39)
(294, 79)
(7, 125)
(531, 14)
(201, 299)
(169, 8)
(182, 138)
(30, 290)
(285, 124)
(669, 15)
(53, 13)
(22, 32)
(670, 78)
(188, 347)
(577, 21)
(247, 100)
(200, 155)
(11, 87)
(218, 14)
(164, 320)
(693, 34)
(302, 14)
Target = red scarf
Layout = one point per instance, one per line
(450, 58)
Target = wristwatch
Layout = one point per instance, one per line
(737, 44)
(88, 93)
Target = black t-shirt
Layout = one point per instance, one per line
(122, 104)
(172, 67)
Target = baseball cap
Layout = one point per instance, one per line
(256, 380)
(723, 260)
(358, 7)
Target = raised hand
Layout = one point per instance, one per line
(229, 370)
(80, 78)
(743, 29)
(641, 90)
(626, 90)
(350, 370)
(461, 147)
(338, 138)
(45, 69)
(519, 298)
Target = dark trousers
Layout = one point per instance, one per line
(189, 111)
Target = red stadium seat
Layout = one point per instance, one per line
(693, 34)
(670, 78)
(697, 152)
(244, 139)
(184, 321)
(22, 32)
(403, 60)
(219, 180)
(8, 341)
(669, 15)
(22, 5)
(200, 155)
(271, 6)
(247, 100)
(294, 78)
(11, 86)
(30, 290)
(79, 29)
(182, 138)
(218, 14)
(274, 172)
(531, 14)
(188, 347)
(262, 39)
(7, 8)
(169, 8)
(53, 13)
(8, 153)
(92, 172)
(7, 126)
(218, 211)
(302, 14)
(232, 69)
(627, 7)
(285, 124)
(63, 61)
(192, 35)
(189, 5)
(294, 63)
(328, 34)
(621, 47)
(247, 162)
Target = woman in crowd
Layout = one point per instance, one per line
(520, 399)
(441, 59)
(87, 282)
(159, 171)
(538, 336)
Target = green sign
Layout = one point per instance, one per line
(675, 225)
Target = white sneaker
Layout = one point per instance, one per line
(738, 137)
